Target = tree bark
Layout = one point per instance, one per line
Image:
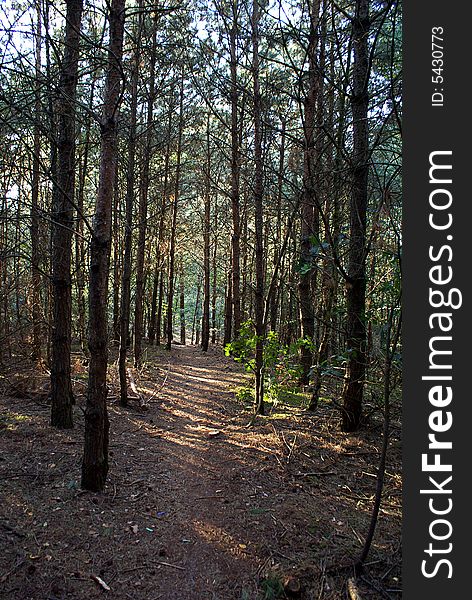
(353, 391)
(206, 249)
(35, 244)
(258, 217)
(214, 293)
(228, 311)
(95, 459)
(182, 303)
(170, 290)
(309, 212)
(235, 175)
(143, 204)
(61, 387)
(130, 197)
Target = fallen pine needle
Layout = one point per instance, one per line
(101, 583)
(166, 564)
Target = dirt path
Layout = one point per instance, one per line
(198, 506)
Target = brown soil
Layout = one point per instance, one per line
(198, 505)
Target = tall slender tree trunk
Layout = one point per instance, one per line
(80, 248)
(206, 248)
(235, 176)
(356, 285)
(214, 293)
(95, 459)
(143, 204)
(116, 262)
(196, 315)
(63, 219)
(159, 308)
(152, 317)
(130, 197)
(280, 178)
(258, 216)
(309, 212)
(170, 290)
(228, 311)
(35, 244)
(160, 254)
(182, 303)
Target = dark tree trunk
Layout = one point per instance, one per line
(309, 212)
(170, 290)
(182, 304)
(196, 315)
(214, 282)
(143, 204)
(159, 309)
(228, 311)
(274, 297)
(116, 262)
(235, 174)
(206, 249)
(80, 246)
(258, 217)
(130, 197)
(35, 244)
(356, 285)
(63, 220)
(152, 318)
(95, 460)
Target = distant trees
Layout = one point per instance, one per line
(226, 174)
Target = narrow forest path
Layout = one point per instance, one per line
(198, 506)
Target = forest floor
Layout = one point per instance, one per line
(198, 506)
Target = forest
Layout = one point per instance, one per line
(200, 299)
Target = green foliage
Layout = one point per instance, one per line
(272, 588)
(280, 362)
(245, 394)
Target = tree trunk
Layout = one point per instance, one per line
(280, 177)
(116, 263)
(228, 311)
(258, 217)
(143, 204)
(61, 387)
(80, 247)
(95, 459)
(170, 291)
(214, 281)
(309, 211)
(152, 318)
(206, 249)
(130, 197)
(35, 244)
(196, 311)
(235, 173)
(182, 303)
(356, 285)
